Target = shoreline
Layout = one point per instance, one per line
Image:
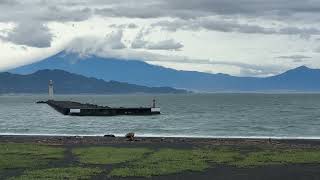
(171, 136)
(157, 141)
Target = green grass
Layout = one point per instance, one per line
(169, 161)
(14, 155)
(70, 173)
(141, 162)
(109, 155)
(271, 157)
(164, 161)
(220, 155)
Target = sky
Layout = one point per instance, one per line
(256, 38)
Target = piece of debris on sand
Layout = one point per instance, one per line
(130, 136)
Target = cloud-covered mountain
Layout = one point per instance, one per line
(66, 83)
(138, 72)
(241, 37)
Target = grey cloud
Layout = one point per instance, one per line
(295, 58)
(317, 50)
(122, 26)
(303, 32)
(61, 14)
(185, 9)
(168, 44)
(8, 2)
(216, 25)
(190, 8)
(147, 12)
(128, 12)
(33, 34)
(248, 7)
(27, 11)
(31, 17)
(232, 26)
(132, 26)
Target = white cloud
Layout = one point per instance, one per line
(96, 44)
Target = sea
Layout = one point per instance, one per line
(215, 115)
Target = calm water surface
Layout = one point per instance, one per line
(196, 115)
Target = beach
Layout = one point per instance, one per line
(221, 158)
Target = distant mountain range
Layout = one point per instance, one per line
(138, 72)
(66, 83)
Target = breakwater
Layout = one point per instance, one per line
(80, 109)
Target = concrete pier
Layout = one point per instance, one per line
(79, 109)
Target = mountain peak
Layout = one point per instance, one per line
(302, 68)
(300, 73)
(298, 70)
(71, 55)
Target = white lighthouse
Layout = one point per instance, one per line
(51, 89)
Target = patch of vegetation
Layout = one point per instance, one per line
(109, 155)
(141, 162)
(169, 161)
(14, 155)
(269, 157)
(219, 155)
(70, 173)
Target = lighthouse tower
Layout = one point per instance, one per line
(154, 108)
(50, 89)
